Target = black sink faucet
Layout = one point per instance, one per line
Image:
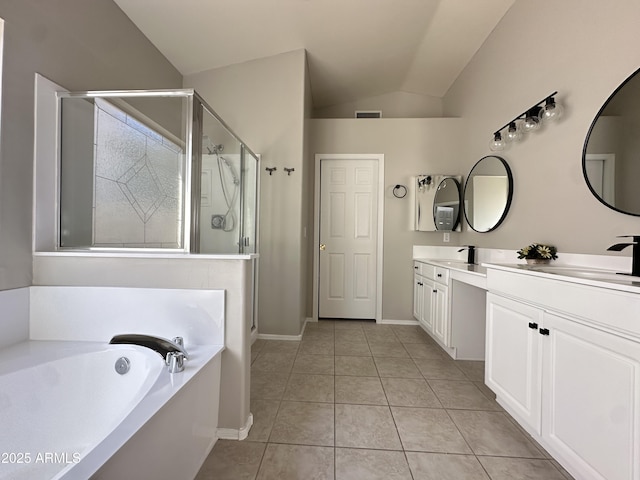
(471, 253)
(635, 261)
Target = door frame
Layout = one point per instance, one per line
(319, 157)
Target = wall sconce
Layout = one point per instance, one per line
(528, 121)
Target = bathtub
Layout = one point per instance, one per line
(65, 413)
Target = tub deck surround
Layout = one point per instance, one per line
(86, 434)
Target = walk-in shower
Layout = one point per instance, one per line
(153, 170)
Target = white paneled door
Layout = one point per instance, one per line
(348, 238)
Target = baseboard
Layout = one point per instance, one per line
(236, 434)
(293, 338)
(386, 321)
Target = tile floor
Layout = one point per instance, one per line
(360, 401)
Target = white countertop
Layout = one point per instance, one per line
(574, 273)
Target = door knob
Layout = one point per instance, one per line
(323, 246)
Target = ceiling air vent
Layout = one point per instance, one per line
(368, 113)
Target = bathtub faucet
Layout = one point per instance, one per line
(172, 351)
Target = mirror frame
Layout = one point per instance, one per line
(586, 142)
(505, 210)
(457, 219)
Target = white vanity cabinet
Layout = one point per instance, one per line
(564, 360)
(431, 300)
(449, 304)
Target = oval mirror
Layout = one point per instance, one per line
(610, 158)
(446, 205)
(487, 193)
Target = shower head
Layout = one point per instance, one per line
(209, 146)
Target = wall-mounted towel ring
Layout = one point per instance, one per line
(271, 170)
(289, 170)
(399, 191)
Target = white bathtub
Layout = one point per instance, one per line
(65, 413)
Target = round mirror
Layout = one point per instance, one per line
(611, 154)
(446, 205)
(487, 193)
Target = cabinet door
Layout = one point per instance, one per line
(417, 297)
(427, 303)
(440, 309)
(591, 400)
(513, 368)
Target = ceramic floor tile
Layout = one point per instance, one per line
(486, 391)
(474, 370)
(359, 390)
(232, 460)
(423, 350)
(352, 349)
(350, 335)
(268, 385)
(428, 430)
(438, 466)
(316, 347)
(297, 462)
(436, 369)
(264, 414)
(309, 388)
(502, 468)
(410, 334)
(258, 345)
(304, 423)
(320, 325)
(318, 364)
(352, 324)
(366, 426)
(492, 433)
(409, 392)
(390, 349)
(357, 366)
(280, 346)
(461, 395)
(360, 464)
(321, 335)
(273, 362)
(374, 336)
(397, 367)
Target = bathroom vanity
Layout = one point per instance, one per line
(449, 304)
(563, 357)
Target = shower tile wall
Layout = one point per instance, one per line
(138, 183)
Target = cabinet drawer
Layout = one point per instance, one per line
(441, 275)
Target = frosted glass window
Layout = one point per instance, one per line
(122, 174)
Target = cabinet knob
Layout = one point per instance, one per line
(440, 275)
(415, 267)
(533, 325)
(434, 291)
(544, 331)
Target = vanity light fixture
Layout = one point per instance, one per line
(546, 110)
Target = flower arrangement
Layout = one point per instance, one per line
(538, 251)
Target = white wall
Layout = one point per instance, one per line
(583, 49)
(263, 101)
(410, 147)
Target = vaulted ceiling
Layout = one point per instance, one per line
(356, 48)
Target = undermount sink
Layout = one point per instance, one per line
(587, 273)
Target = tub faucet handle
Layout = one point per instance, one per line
(175, 362)
(178, 341)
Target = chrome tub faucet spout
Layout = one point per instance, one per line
(172, 351)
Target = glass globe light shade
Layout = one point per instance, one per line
(532, 120)
(551, 110)
(497, 143)
(513, 133)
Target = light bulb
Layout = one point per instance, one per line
(532, 120)
(551, 111)
(513, 133)
(497, 143)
